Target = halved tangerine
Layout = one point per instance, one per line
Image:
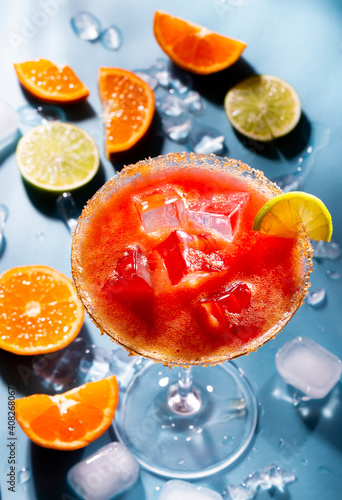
(71, 420)
(194, 47)
(128, 104)
(40, 311)
(50, 82)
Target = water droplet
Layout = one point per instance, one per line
(86, 26)
(317, 298)
(111, 38)
(40, 115)
(304, 461)
(324, 471)
(24, 475)
(40, 236)
(333, 275)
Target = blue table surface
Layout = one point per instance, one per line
(298, 41)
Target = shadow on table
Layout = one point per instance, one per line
(45, 201)
(287, 427)
(9, 146)
(17, 371)
(285, 148)
(215, 87)
(74, 112)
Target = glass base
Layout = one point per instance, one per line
(193, 444)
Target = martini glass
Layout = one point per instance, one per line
(199, 416)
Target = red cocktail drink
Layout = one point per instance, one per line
(167, 264)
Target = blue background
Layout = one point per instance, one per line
(298, 41)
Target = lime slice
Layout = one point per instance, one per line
(282, 215)
(57, 157)
(263, 107)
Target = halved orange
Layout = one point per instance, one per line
(40, 311)
(128, 104)
(194, 47)
(51, 83)
(71, 420)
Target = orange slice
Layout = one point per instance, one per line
(128, 104)
(51, 83)
(71, 420)
(40, 311)
(193, 47)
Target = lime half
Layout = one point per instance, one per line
(282, 215)
(263, 107)
(57, 157)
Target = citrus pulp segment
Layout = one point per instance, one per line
(71, 420)
(263, 107)
(194, 47)
(40, 311)
(128, 104)
(51, 83)
(282, 215)
(57, 157)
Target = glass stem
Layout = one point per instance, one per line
(183, 398)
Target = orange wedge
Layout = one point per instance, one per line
(71, 420)
(193, 47)
(128, 104)
(51, 83)
(40, 311)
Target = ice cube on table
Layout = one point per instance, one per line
(170, 105)
(193, 102)
(184, 253)
(326, 250)
(333, 275)
(86, 26)
(124, 366)
(111, 38)
(105, 474)
(58, 370)
(160, 70)
(183, 490)
(130, 282)
(67, 208)
(95, 364)
(317, 298)
(206, 140)
(180, 82)
(177, 128)
(150, 79)
(309, 367)
(40, 114)
(161, 210)
(9, 122)
(270, 477)
(98, 363)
